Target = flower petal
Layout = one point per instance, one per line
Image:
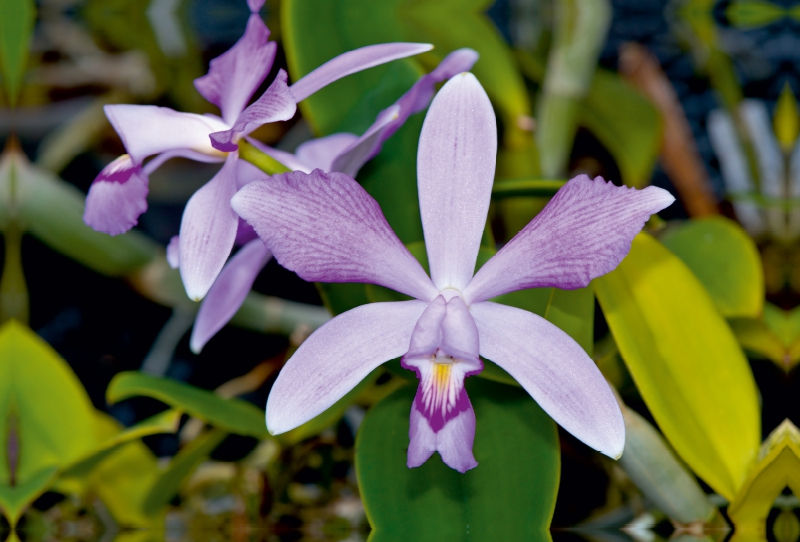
(321, 152)
(117, 197)
(555, 370)
(352, 62)
(275, 104)
(455, 170)
(392, 118)
(326, 228)
(148, 129)
(582, 233)
(208, 230)
(459, 334)
(228, 292)
(235, 75)
(427, 334)
(453, 442)
(255, 5)
(288, 159)
(338, 356)
(173, 252)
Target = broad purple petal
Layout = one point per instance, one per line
(277, 103)
(352, 62)
(244, 233)
(117, 197)
(336, 357)
(455, 172)
(453, 442)
(582, 233)
(255, 5)
(173, 252)
(555, 370)
(228, 292)
(392, 118)
(148, 129)
(235, 75)
(326, 228)
(321, 152)
(208, 230)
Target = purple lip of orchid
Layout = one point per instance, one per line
(338, 152)
(326, 228)
(208, 229)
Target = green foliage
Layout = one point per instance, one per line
(16, 26)
(725, 260)
(685, 362)
(774, 335)
(516, 446)
(232, 415)
(754, 13)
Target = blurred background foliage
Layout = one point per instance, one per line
(110, 424)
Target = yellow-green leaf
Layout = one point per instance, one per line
(754, 13)
(16, 25)
(786, 119)
(685, 362)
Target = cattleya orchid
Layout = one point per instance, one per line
(209, 226)
(342, 152)
(327, 228)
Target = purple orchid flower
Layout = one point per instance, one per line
(342, 152)
(209, 226)
(327, 228)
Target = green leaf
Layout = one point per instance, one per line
(685, 362)
(626, 123)
(776, 335)
(181, 466)
(45, 409)
(516, 446)
(232, 415)
(16, 26)
(754, 13)
(725, 260)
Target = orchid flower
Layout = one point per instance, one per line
(325, 227)
(341, 152)
(209, 226)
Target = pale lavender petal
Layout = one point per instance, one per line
(173, 252)
(255, 5)
(427, 334)
(459, 334)
(275, 104)
(326, 228)
(453, 441)
(235, 75)
(352, 62)
(228, 292)
(117, 197)
(286, 158)
(582, 233)
(392, 118)
(455, 172)
(158, 160)
(247, 173)
(321, 152)
(148, 129)
(338, 356)
(555, 370)
(208, 231)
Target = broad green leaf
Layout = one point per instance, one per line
(659, 475)
(778, 466)
(46, 412)
(626, 123)
(52, 210)
(754, 13)
(685, 362)
(16, 26)
(232, 415)
(786, 119)
(776, 335)
(725, 260)
(181, 466)
(510, 495)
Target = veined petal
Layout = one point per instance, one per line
(148, 129)
(277, 103)
(427, 336)
(173, 252)
(208, 230)
(228, 292)
(453, 441)
(351, 159)
(352, 62)
(326, 228)
(117, 197)
(582, 233)
(322, 151)
(555, 370)
(338, 356)
(459, 334)
(236, 74)
(455, 171)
